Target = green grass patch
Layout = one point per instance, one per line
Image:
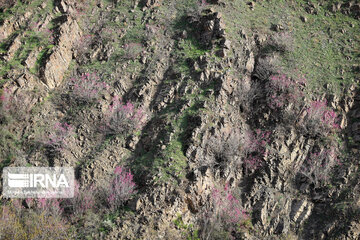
(325, 49)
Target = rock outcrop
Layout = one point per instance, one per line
(60, 57)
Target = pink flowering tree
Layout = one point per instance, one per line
(49, 206)
(318, 166)
(282, 91)
(87, 87)
(225, 213)
(41, 220)
(122, 188)
(320, 119)
(13, 107)
(57, 138)
(83, 200)
(7, 102)
(45, 206)
(123, 118)
(254, 148)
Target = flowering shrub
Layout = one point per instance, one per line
(132, 50)
(226, 214)
(320, 119)
(227, 206)
(57, 138)
(41, 226)
(81, 8)
(10, 224)
(82, 46)
(87, 87)
(282, 90)
(123, 118)
(49, 35)
(318, 165)
(7, 101)
(18, 223)
(83, 200)
(254, 148)
(12, 106)
(121, 188)
(49, 206)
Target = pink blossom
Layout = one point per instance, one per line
(227, 206)
(60, 132)
(87, 87)
(123, 118)
(121, 188)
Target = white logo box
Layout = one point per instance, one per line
(38, 182)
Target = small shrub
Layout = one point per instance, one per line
(13, 107)
(282, 91)
(320, 119)
(49, 206)
(253, 145)
(87, 87)
(265, 67)
(224, 150)
(187, 230)
(49, 35)
(132, 50)
(11, 226)
(83, 200)
(203, 3)
(121, 188)
(83, 46)
(81, 8)
(318, 166)
(18, 223)
(224, 216)
(7, 3)
(281, 42)
(123, 118)
(57, 138)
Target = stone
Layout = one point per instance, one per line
(10, 25)
(250, 63)
(303, 19)
(152, 3)
(277, 27)
(251, 4)
(221, 53)
(335, 7)
(227, 44)
(184, 34)
(213, 1)
(32, 58)
(60, 58)
(13, 47)
(260, 39)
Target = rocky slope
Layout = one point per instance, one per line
(201, 70)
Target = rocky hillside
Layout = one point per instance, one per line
(220, 119)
